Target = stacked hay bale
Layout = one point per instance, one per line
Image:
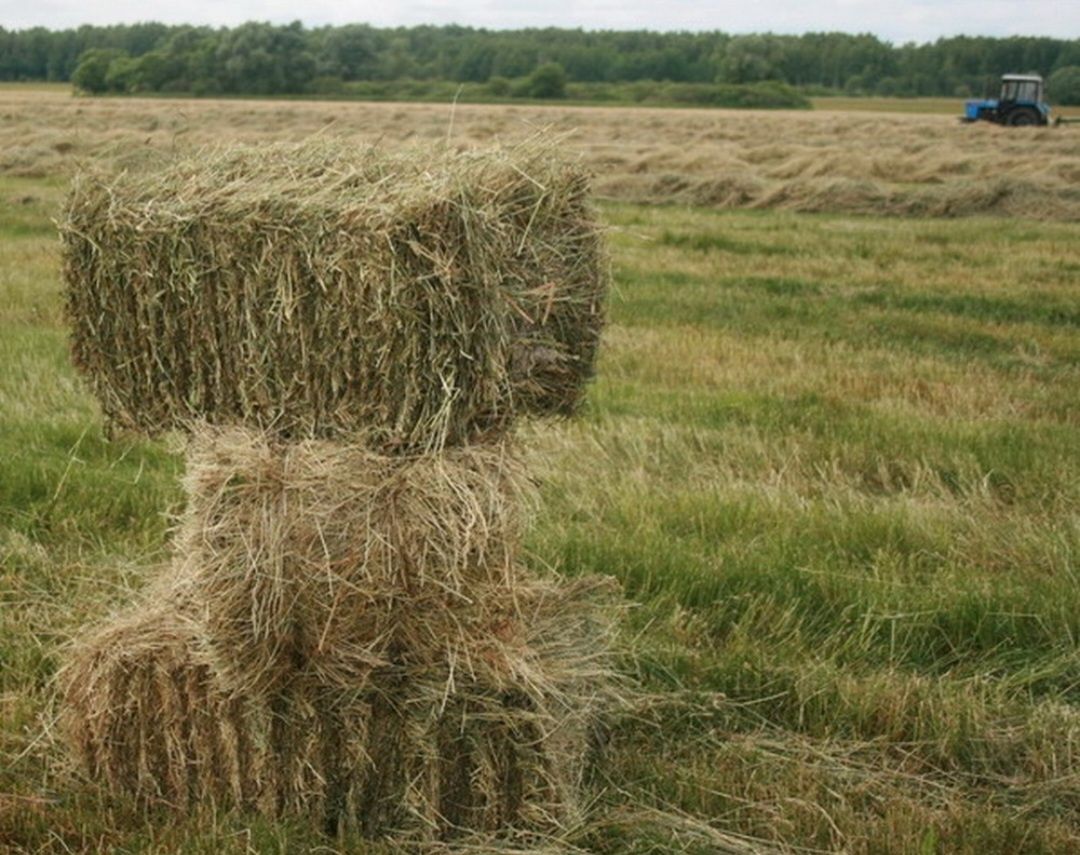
(348, 337)
(423, 299)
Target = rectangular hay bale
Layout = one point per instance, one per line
(307, 556)
(421, 298)
(427, 748)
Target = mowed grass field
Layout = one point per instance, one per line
(834, 460)
(866, 156)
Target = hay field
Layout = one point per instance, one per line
(827, 160)
(834, 460)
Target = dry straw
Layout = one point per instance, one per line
(312, 558)
(422, 298)
(345, 630)
(490, 734)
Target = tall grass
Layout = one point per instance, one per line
(834, 462)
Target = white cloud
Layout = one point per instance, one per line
(920, 20)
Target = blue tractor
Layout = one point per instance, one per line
(1021, 103)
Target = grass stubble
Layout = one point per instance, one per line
(831, 459)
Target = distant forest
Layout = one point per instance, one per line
(266, 59)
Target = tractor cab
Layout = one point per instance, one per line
(1021, 88)
(1021, 103)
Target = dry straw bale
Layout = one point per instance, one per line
(312, 557)
(422, 297)
(489, 740)
(344, 630)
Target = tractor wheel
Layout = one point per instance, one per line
(1023, 118)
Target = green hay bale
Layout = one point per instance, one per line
(419, 298)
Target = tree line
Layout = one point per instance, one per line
(264, 59)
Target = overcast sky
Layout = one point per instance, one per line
(895, 20)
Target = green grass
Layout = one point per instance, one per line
(835, 463)
(34, 86)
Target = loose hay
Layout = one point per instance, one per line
(423, 298)
(488, 740)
